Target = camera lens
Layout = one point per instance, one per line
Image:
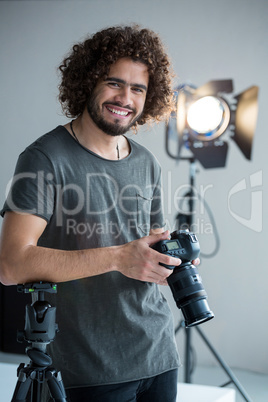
(189, 294)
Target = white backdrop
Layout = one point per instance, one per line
(206, 40)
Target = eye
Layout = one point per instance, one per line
(138, 90)
(113, 84)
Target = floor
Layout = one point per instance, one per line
(255, 384)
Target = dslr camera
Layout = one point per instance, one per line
(185, 281)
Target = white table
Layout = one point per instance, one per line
(204, 393)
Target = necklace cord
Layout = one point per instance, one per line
(118, 153)
(72, 130)
(71, 126)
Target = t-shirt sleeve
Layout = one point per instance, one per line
(32, 187)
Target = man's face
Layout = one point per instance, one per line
(118, 101)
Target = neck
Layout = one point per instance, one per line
(107, 146)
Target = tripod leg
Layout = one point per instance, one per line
(22, 387)
(181, 325)
(55, 385)
(188, 356)
(188, 350)
(225, 367)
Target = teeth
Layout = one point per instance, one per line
(121, 113)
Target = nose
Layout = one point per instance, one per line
(124, 97)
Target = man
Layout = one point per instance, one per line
(83, 210)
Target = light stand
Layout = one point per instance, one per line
(203, 115)
(188, 331)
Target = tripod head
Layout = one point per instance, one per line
(40, 316)
(40, 329)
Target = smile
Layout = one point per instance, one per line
(118, 112)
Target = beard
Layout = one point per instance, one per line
(113, 129)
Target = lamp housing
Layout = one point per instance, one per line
(204, 114)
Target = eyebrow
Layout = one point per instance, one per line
(141, 86)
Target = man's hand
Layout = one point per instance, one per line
(22, 260)
(141, 262)
(196, 261)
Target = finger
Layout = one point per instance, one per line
(162, 272)
(162, 283)
(159, 274)
(154, 238)
(162, 258)
(196, 261)
(168, 260)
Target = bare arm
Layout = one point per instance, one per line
(22, 261)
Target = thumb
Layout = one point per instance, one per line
(154, 238)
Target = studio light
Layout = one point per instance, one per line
(204, 114)
(197, 132)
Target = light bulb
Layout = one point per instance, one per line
(205, 115)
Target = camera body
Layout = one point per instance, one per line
(183, 244)
(185, 282)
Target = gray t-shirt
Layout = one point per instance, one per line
(112, 329)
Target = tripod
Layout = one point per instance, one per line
(186, 221)
(40, 329)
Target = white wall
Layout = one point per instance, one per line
(206, 40)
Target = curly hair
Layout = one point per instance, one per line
(91, 60)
